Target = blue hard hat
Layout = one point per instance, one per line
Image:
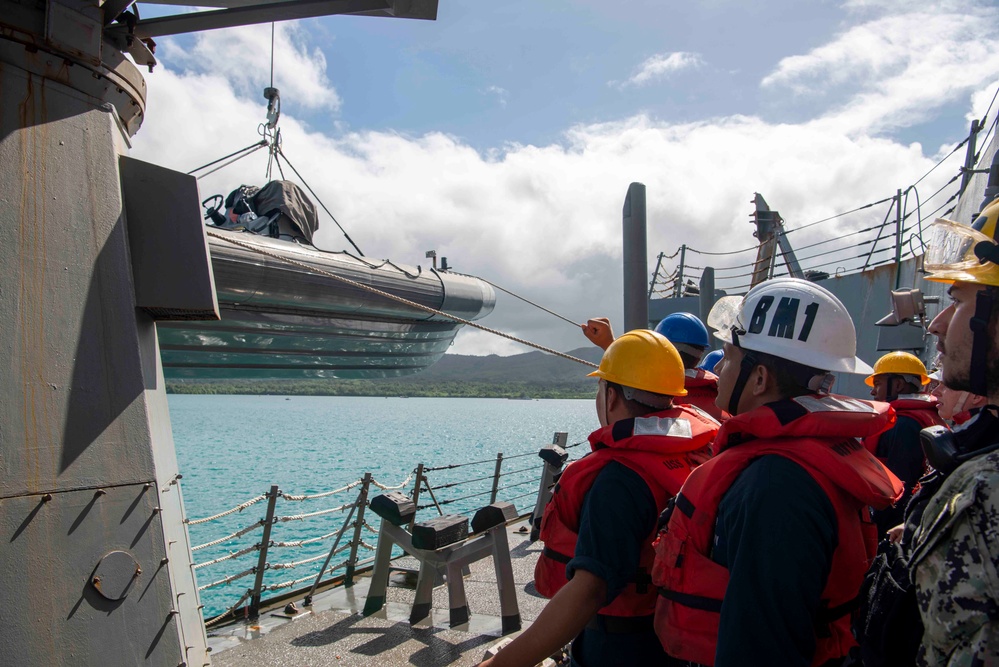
(711, 360)
(684, 328)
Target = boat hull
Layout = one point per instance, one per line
(284, 315)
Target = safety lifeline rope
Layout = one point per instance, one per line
(234, 554)
(321, 495)
(299, 543)
(399, 299)
(238, 533)
(295, 582)
(237, 508)
(309, 515)
(397, 486)
(304, 561)
(231, 610)
(227, 580)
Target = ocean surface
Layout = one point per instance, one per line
(231, 449)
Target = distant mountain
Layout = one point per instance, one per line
(529, 375)
(531, 367)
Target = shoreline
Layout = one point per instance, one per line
(383, 388)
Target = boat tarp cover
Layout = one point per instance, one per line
(288, 198)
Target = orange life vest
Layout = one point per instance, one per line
(922, 408)
(963, 416)
(820, 433)
(662, 448)
(702, 390)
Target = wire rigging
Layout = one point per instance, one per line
(240, 154)
(839, 215)
(986, 114)
(398, 299)
(674, 278)
(313, 192)
(956, 149)
(271, 138)
(524, 299)
(272, 54)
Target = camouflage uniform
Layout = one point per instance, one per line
(955, 567)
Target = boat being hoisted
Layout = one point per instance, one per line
(285, 314)
(291, 310)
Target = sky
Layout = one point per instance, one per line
(505, 135)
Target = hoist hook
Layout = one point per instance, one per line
(273, 97)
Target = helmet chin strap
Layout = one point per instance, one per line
(959, 404)
(891, 394)
(979, 324)
(749, 362)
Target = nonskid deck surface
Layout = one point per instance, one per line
(336, 634)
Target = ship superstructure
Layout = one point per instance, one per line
(96, 557)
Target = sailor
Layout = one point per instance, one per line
(898, 379)
(711, 360)
(690, 337)
(956, 407)
(599, 525)
(955, 556)
(768, 542)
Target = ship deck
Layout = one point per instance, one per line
(333, 632)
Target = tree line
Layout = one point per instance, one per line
(435, 389)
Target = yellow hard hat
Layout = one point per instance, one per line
(951, 249)
(645, 360)
(899, 363)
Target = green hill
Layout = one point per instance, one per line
(529, 375)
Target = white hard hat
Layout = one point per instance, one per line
(792, 319)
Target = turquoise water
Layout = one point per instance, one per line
(233, 448)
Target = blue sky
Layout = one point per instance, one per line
(505, 134)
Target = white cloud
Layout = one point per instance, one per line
(895, 70)
(502, 94)
(477, 342)
(663, 65)
(545, 221)
(242, 56)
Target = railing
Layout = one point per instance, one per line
(462, 495)
(894, 239)
(897, 237)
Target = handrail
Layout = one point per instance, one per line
(899, 236)
(264, 570)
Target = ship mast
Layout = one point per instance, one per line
(770, 232)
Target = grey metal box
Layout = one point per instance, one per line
(171, 264)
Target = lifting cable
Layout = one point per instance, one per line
(517, 296)
(252, 148)
(272, 140)
(309, 188)
(399, 299)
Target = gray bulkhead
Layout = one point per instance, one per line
(95, 565)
